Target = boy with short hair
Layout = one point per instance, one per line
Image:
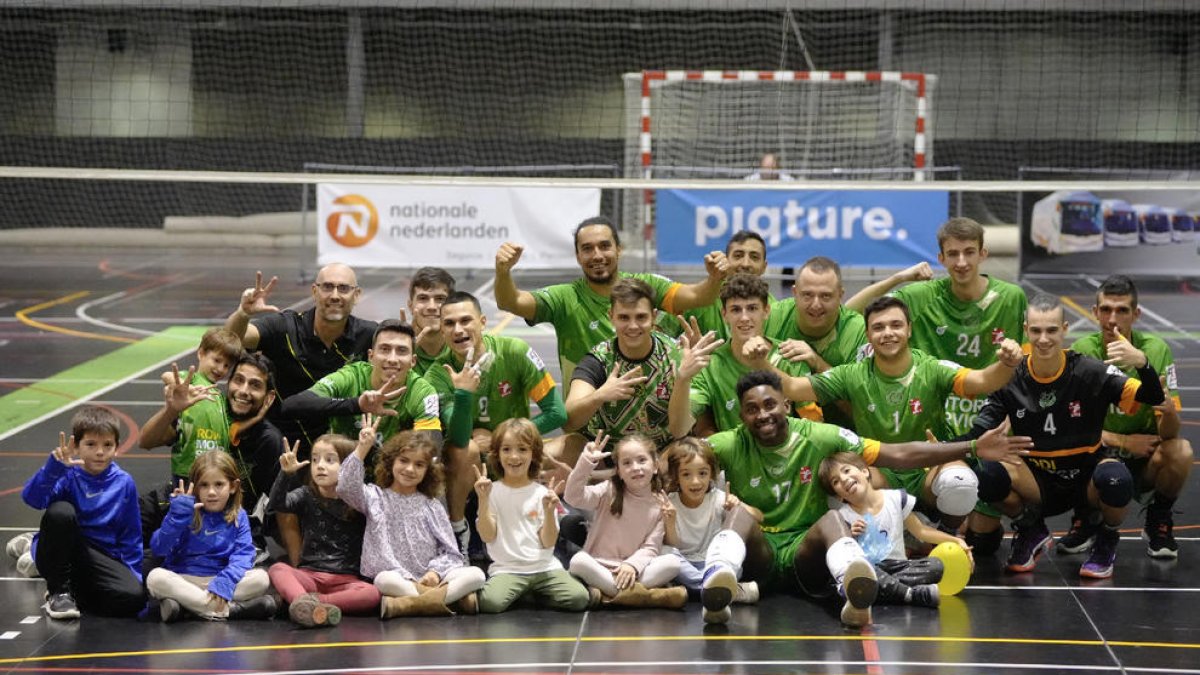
(89, 544)
(193, 426)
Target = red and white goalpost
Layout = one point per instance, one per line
(718, 123)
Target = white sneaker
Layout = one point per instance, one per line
(722, 615)
(19, 545)
(859, 586)
(26, 566)
(747, 593)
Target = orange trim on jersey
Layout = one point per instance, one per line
(870, 450)
(542, 388)
(1065, 452)
(810, 411)
(1128, 404)
(1178, 406)
(960, 383)
(434, 424)
(668, 301)
(1061, 367)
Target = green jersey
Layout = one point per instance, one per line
(514, 376)
(199, 429)
(644, 413)
(965, 332)
(893, 409)
(417, 409)
(424, 361)
(715, 388)
(1158, 354)
(708, 317)
(842, 344)
(580, 315)
(782, 481)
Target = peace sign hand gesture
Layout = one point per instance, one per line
(665, 507)
(254, 300)
(593, 452)
(183, 489)
(375, 400)
(67, 452)
(466, 379)
(287, 461)
(550, 498)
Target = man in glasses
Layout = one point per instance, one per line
(304, 346)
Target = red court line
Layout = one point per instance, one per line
(871, 652)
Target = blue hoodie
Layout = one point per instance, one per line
(219, 550)
(106, 507)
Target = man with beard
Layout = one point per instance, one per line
(771, 462)
(304, 346)
(579, 310)
(386, 384)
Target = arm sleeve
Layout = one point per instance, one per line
(591, 370)
(577, 491)
(270, 326)
(46, 485)
(174, 525)
(553, 412)
(350, 487)
(547, 303)
(240, 560)
(129, 538)
(309, 404)
(830, 385)
(461, 418)
(282, 499)
(1150, 390)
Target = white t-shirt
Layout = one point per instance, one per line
(889, 523)
(697, 527)
(517, 548)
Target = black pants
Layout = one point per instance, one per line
(100, 583)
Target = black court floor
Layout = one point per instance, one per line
(100, 326)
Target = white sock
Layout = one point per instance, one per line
(458, 525)
(839, 556)
(726, 548)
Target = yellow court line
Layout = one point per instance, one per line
(23, 316)
(633, 638)
(1087, 313)
(503, 324)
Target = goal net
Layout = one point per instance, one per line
(816, 124)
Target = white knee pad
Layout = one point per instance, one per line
(956, 489)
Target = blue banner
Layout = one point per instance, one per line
(860, 228)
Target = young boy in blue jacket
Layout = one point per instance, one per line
(89, 544)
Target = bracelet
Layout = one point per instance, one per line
(972, 449)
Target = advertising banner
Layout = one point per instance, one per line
(1149, 233)
(858, 228)
(454, 227)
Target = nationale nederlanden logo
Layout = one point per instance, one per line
(354, 223)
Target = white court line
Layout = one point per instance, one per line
(31, 619)
(10, 634)
(81, 312)
(73, 380)
(20, 579)
(1108, 589)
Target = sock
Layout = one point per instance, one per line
(839, 556)
(1162, 501)
(459, 525)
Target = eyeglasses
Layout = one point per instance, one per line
(329, 287)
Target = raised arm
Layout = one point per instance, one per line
(691, 296)
(178, 395)
(986, 380)
(756, 350)
(994, 445)
(585, 398)
(693, 360)
(254, 301)
(508, 296)
(919, 272)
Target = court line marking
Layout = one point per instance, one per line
(23, 316)
(442, 642)
(1109, 589)
(692, 664)
(81, 312)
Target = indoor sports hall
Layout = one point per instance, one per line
(155, 156)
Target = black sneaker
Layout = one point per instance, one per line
(1028, 544)
(926, 595)
(1080, 537)
(1099, 564)
(1159, 534)
(61, 606)
(261, 608)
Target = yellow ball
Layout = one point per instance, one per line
(957, 567)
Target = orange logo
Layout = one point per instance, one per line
(355, 224)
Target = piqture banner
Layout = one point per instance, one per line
(456, 227)
(858, 228)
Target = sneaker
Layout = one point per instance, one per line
(19, 545)
(747, 593)
(859, 586)
(261, 608)
(169, 610)
(61, 606)
(1079, 538)
(717, 588)
(926, 595)
(1159, 534)
(27, 566)
(1099, 564)
(984, 543)
(722, 615)
(1028, 544)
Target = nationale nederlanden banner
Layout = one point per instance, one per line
(455, 227)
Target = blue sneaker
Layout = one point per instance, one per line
(1028, 544)
(1099, 564)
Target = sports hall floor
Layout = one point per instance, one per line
(97, 325)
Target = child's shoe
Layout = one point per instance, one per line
(61, 606)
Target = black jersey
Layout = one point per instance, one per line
(1063, 414)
